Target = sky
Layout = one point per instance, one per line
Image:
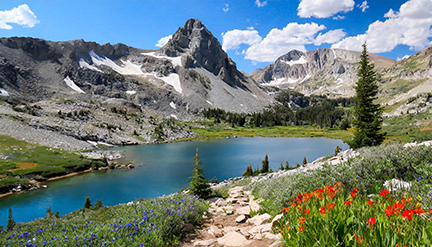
(254, 33)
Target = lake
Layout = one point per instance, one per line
(162, 169)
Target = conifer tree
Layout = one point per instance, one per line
(87, 203)
(10, 222)
(287, 165)
(98, 204)
(304, 161)
(199, 185)
(281, 168)
(367, 115)
(249, 171)
(265, 165)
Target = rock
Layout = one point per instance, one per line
(215, 231)
(233, 239)
(229, 229)
(261, 229)
(276, 219)
(221, 202)
(272, 236)
(235, 190)
(130, 166)
(242, 218)
(259, 236)
(245, 232)
(204, 243)
(254, 206)
(396, 184)
(243, 210)
(259, 219)
(278, 243)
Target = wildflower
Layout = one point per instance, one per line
(419, 211)
(355, 189)
(358, 239)
(302, 220)
(407, 214)
(322, 210)
(331, 205)
(371, 221)
(370, 202)
(306, 211)
(353, 194)
(347, 202)
(301, 228)
(384, 193)
(389, 211)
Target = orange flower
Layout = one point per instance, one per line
(301, 229)
(371, 221)
(347, 202)
(355, 189)
(331, 205)
(306, 211)
(302, 220)
(384, 193)
(353, 194)
(419, 211)
(370, 202)
(389, 211)
(358, 239)
(407, 214)
(322, 210)
(399, 205)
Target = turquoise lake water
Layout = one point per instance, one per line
(162, 169)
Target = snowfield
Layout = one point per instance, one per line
(176, 61)
(302, 60)
(72, 85)
(3, 92)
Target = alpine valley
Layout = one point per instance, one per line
(75, 95)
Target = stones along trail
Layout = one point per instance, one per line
(229, 223)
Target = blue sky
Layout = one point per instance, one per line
(254, 33)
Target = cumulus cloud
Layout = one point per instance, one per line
(292, 37)
(226, 8)
(21, 15)
(363, 6)
(410, 26)
(260, 4)
(163, 41)
(234, 38)
(323, 8)
(339, 17)
(404, 57)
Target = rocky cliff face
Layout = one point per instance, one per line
(323, 71)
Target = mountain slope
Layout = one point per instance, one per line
(323, 71)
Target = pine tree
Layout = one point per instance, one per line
(304, 161)
(49, 212)
(199, 185)
(281, 168)
(87, 203)
(98, 204)
(249, 171)
(367, 115)
(287, 165)
(265, 165)
(10, 222)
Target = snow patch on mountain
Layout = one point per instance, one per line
(172, 104)
(72, 85)
(301, 60)
(176, 61)
(83, 64)
(173, 80)
(3, 92)
(130, 92)
(128, 67)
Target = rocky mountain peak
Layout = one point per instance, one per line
(293, 55)
(200, 49)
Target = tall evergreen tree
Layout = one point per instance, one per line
(10, 222)
(199, 185)
(367, 114)
(265, 165)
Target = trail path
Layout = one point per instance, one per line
(229, 224)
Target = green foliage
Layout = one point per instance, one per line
(199, 185)
(87, 203)
(49, 212)
(249, 171)
(367, 114)
(10, 222)
(151, 222)
(337, 150)
(98, 204)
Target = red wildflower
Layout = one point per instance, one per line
(347, 202)
(358, 239)
(301, 229)
(331, 205)
(384, 193)
(353, 194)
(370, 202)
(389, 211)
(371, 221)
(322, 210)
(306, 211)
(355, 189)
(302, 220)
(419, 211)
(407, 214)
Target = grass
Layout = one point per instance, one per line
(208, 130)
(24, 161)
(409, 127)
(145, 222)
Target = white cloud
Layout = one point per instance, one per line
(329, 37)
(250, 28)
(410, 26)
(226, 8)
(363, 6)
(234, 38)
(339, 17)
(293, 36)
(21, 15)
(163, 41)
(260, 4)
(323, 8)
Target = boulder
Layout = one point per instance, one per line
(243, 210)
(221, 202)
(242, 218)
(259, 219)
(215, 231)
(204, 243)
(276, 219)
(233, 239)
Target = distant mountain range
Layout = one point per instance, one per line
(190, 73)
